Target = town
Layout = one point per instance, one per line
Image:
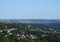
(23, 32)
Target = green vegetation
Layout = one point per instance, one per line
(21, 32)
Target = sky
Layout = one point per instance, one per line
(29, 9)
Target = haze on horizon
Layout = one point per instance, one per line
(29, 9)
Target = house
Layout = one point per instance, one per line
(22, 36)
(33, 37)
(1, 31)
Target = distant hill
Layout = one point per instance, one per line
(29, 21)
(55, 24)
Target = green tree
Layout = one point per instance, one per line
(5, 39)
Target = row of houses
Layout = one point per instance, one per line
(19, 36)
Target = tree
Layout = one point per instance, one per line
(5, 39)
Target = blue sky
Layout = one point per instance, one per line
(29, 9)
